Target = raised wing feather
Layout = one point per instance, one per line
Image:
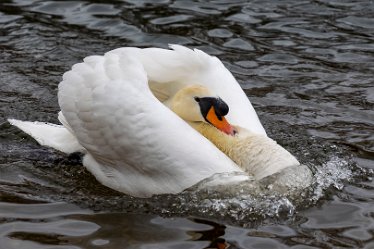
(170, 70)
(134, 143)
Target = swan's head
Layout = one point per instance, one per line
(196, 103)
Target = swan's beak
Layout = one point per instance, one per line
(219, 122)
(214, 111)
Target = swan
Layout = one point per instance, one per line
(116, 109)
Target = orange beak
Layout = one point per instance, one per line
(222, 124)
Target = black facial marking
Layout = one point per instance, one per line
(220, 107)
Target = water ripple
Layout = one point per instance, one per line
(307, 67)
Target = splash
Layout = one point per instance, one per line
(277, 196)
(332, 173)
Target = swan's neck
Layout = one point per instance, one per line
(255, 153)
(222, 141)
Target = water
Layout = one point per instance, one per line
(307, 67)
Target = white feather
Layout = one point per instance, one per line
(50, 135)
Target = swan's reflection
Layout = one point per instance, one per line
(63, 225)
(118, 230)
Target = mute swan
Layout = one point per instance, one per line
(114, 110)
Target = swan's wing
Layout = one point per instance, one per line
(170, 70)
(135, 144)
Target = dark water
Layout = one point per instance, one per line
(307, 67)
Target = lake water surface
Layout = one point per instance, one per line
(307, 67)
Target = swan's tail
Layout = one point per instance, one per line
(50, 135)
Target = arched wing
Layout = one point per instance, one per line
(170, 70)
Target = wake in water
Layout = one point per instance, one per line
(275, 196)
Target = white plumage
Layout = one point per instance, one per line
(132, 141)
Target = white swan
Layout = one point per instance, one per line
(112, 110)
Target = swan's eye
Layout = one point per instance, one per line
(197, 99)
